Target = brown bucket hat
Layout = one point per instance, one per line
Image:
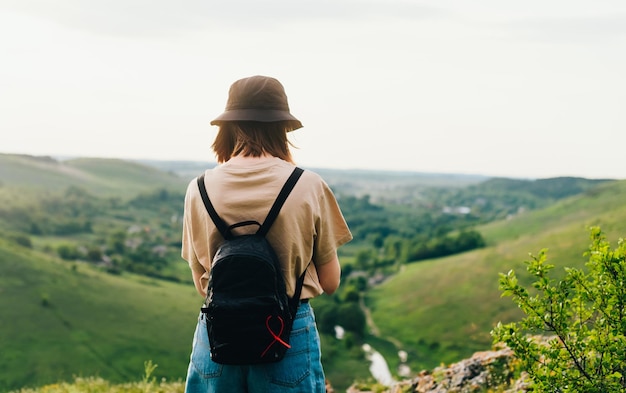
(258, 98)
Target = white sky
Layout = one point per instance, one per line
(492, 87)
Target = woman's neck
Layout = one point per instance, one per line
(240, 159)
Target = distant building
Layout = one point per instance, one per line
(462, 210)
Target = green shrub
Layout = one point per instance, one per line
(68, 251)
(22, 240)
(584, 316)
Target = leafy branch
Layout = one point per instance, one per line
(585, 314)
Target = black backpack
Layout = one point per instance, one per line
(248, 313)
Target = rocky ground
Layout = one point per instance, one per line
(495, 370)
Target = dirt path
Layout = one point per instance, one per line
(368, 318)
(372, 325)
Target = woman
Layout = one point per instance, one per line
(254, 162)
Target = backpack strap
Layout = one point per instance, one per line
(225, 230)
(294, 302)
(280, 200)
(217, 220)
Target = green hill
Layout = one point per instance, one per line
(63, 318)
(60, 319)
(102, 176)
(443, 310)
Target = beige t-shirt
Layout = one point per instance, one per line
(309, 227)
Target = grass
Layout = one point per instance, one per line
(99, 385)
(62, 319)
(116, 174)
(343, 362)
(108, 177)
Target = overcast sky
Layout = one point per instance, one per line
(500, 88)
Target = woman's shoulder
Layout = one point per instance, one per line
(313, 178)
(193, 187)
(315, 183)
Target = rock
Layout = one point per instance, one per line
(329, 387)
(487, 369)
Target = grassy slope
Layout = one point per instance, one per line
(60, 319)
(442, 310)
(109, 177)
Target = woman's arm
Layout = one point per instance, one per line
(329, 275)
(199, 280)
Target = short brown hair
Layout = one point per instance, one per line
(252, 138)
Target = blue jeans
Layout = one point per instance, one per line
(299, 371)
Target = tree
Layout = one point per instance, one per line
(94, 254)
(117, 241)
(351, 294)
(365, 259)
(351, 318)
(67, 251)
(469, 239)
(326, 314)
(585, 315)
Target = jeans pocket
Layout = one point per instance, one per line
(296, 365)
(201, 354)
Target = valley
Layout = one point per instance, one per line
(92, 282)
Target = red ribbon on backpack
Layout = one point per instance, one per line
(276, 337)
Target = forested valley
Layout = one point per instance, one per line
(396, 219)
(141, 233)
